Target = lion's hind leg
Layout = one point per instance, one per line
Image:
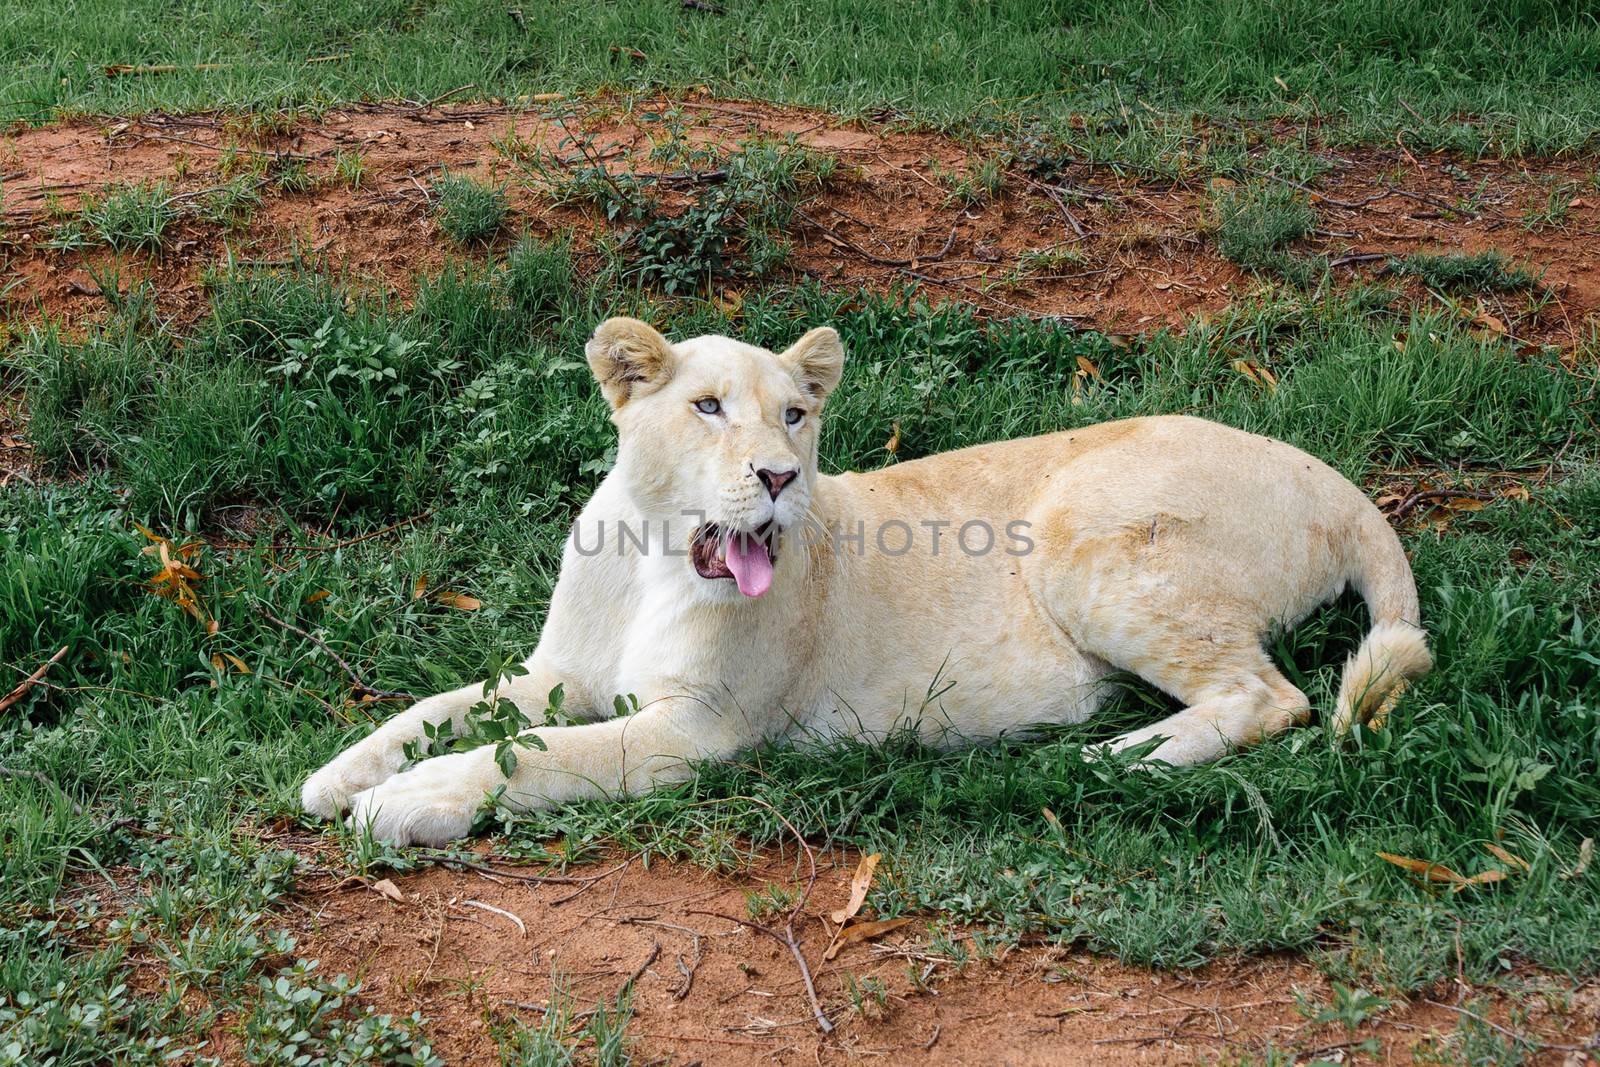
(1233, 710)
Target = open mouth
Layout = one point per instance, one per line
(745, 556)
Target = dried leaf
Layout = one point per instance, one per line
(388, 889)
(459, 601)
(1516, 492)
(1585, 854)
(419, 587)
(1088, 367)
(1506, 857)
(1493, 874)
(866, 931)
(1426, 869)
(859, 884)
(1257, 373)
(223, 660)
(319, 596)
(1438, 872)
(892, 445)
(1489, 322)
(171, 582)
(1463, 503)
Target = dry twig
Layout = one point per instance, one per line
(31, 680)
(362, 689)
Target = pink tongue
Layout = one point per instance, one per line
(751, 564)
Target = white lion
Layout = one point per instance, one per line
(742, 596)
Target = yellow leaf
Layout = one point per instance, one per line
(319, 596)
(1426, 869)
(1256, 373)
(866, 931)
(1089, 368)
(859, 884)
(459, 601)
(223, 660)
(1507, 857)
(892, 445)
(1493, 874)
(419, 587)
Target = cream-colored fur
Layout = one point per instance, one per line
(1168, 547)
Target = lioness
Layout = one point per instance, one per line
(1167, 546)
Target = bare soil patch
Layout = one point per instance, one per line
(475, 950)
(1115, 253)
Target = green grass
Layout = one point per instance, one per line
(297, 402)
(468, 210)
(1484, 272)
(1256, 223)
(1511, 77)
(124, 216)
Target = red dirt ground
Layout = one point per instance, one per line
(1141, 262)
(707, 989)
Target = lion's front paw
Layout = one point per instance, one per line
(432, 804)
(328, 792)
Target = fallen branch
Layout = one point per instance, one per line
(362, 689)
(1357, 257)
(786, 936)
(627, 986)
(1320, 198)
(1435, 494)
(402, 524)
(543, 879)
(117, 70)
(1534, 1042)
(834, 238)
(18, 772)
(685, 969)
(521, 926)
(1061, 206)
(31, 680)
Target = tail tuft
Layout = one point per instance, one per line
(1393, 653)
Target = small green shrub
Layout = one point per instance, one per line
(1485, 272)
(1255, 222)
(740, 204)
(468, 210)
(293, 175)
(232, 204)
(128, 215)
(350, 169)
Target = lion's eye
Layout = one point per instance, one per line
(793, 416)
(708, 405)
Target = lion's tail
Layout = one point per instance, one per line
(1396, 648)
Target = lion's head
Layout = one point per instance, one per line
(718, 438)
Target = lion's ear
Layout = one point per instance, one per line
(629, 358)
(816, 361)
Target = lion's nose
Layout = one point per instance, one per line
(775, 480)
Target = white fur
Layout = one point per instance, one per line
(1168, 547)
